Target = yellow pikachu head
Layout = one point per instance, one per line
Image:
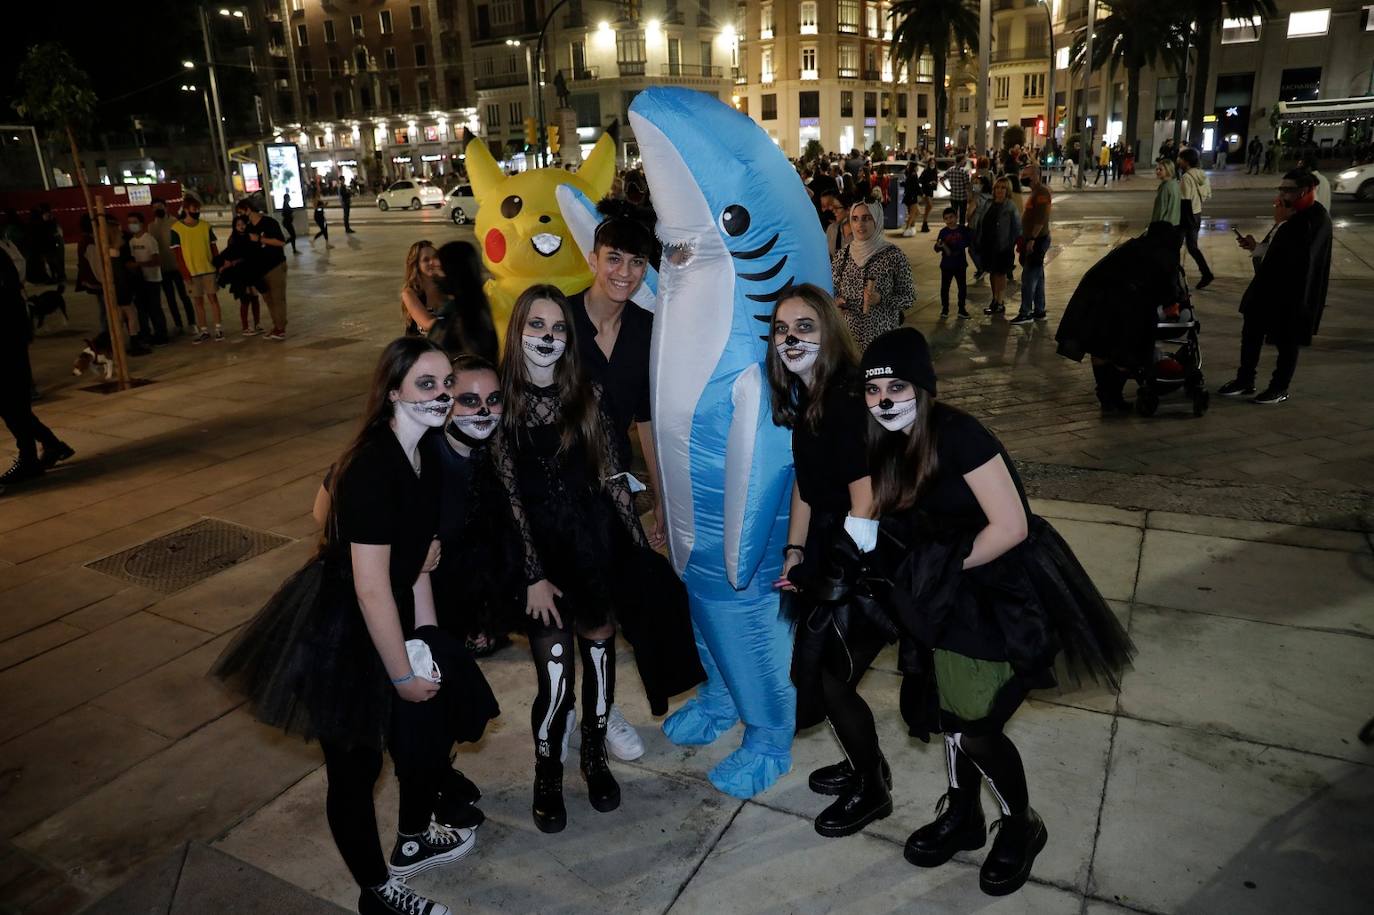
(520, 229)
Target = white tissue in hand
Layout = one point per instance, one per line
(422, 660)
(863, 531)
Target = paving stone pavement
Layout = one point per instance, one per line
(1226, 777)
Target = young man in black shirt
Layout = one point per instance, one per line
(266, 231)
(613, 337)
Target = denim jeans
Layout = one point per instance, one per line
(1032, 290)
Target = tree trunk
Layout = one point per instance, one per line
(1133, 110)
(1206, 27)
(114, 319)
(940, 102)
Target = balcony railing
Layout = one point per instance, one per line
(808, 28)
(765, 34)
(1007, 55)
(501, 81)
(845, 28)
(630, 67)
(739, 75)
(766, 78)
(873, 76)
(276, 50)
(706, 72)
(848, 72)
(584, 74)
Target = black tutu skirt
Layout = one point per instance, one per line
(306, 665)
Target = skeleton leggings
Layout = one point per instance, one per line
(552, 650)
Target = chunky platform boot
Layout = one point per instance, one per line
(549, 813)
(837, 778)
(1020, 837)
(958, 826)
(866, 799)
(602, 789)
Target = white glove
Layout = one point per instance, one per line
(864, 532)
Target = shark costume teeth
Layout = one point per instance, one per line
(543, 351)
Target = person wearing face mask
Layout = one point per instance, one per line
(348, 652)
(813, 376)
(173, 286)
(239, 271)
(872, 279)
(193, 245)
(420, 292)
(985, 595)
(147, 280)
(587, 562)
(1284, 302)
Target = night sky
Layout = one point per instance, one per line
(132, 53)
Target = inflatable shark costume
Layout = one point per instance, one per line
(737, 230)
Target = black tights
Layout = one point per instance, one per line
(994, 757)
(848, 713)
(556, 676)
(421, 765)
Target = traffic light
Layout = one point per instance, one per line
(531, 135)
(1040, 126)
(553, 138)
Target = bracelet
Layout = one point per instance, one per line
(793, 546)
(397, 681)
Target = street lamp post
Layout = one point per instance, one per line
(1087, 83)
(209, 118)
(214, 94)
(533, 78)
(1049, 82)
(984, 64)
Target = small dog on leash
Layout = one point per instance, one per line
(98, 355)
(45, 305)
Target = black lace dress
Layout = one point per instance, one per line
(580, 531)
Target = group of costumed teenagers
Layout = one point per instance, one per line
(477, 498)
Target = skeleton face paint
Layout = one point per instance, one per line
(543, 351)
(798, 356)
(894, 417)
(432, 413)
(478, 426)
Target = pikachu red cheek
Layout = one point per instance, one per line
(495, 246)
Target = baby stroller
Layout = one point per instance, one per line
(1178, 359)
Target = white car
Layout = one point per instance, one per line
(412, 193)
(462, 206)
(1358, 181)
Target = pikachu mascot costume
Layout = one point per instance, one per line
(520, 230)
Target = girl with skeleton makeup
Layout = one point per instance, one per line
(984, 593)
(586, 559)
(813, 373)
(330, 655)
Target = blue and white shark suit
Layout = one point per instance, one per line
(737, 230)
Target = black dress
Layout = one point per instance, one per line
(479, 586)
(826, 462)
(1022, 608)
(306, 662)
(582, 534)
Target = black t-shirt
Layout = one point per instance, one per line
(272, 255)
(382, 501)
(624, 378)
(456, 483)
(836, 455)
(962, 445)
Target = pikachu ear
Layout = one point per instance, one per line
(483, 171)
(598, 171)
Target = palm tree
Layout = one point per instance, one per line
(1135, 34)
(1207, 15)
(939, 28)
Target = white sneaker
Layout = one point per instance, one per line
(621, 737)
(567, 732)
(908, 233)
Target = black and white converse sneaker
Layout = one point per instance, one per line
(435, 846)
(395, 898)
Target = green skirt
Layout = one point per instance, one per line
(976, 696)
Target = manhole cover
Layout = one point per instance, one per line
(328, 343)
(182, 558)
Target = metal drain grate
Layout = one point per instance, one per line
(182, 558)
(328, 343)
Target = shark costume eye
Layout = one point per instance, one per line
(510, 207)
(735, 220)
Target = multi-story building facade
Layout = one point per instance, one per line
(822, 70)
(606, 53)
(374, 89)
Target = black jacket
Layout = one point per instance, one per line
(1288, 294)
(1111, 314)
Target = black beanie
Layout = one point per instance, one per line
(901, 353)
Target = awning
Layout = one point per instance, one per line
(1327, 111)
